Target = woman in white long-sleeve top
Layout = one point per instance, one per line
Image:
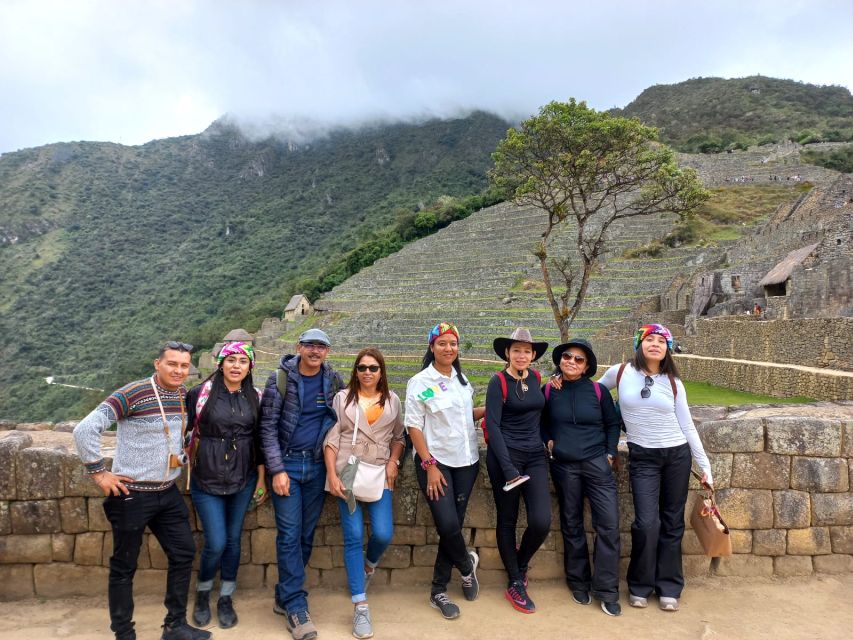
(662, 441)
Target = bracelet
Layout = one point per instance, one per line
(91, 468)
(429, 462)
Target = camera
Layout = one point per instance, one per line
(179, 460)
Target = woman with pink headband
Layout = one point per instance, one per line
(227, 472)
(662, 443)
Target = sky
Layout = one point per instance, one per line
(131, 71)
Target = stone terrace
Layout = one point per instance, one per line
(481, 274)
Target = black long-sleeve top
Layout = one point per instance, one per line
(514, 423)
(229, 448)
(582, 426)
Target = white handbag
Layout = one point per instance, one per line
(368, 481)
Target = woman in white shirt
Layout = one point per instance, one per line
(662, 441)
(440, 420)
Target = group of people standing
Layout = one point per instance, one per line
(305, 433)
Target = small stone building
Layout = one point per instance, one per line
(778, 284)
(297, 307)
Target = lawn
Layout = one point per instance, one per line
(703, 393)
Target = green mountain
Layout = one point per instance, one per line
(715, 114)
(107, 250)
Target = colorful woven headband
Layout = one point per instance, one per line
(237, 348)
(440, 329)
(652, 329)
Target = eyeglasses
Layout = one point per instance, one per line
(178, 346)
(575, 357)
(646, 392)
(313, 346)
(373, 368)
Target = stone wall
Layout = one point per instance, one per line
(808, 342)
(783, 486)
(780, 381)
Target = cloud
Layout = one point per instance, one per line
(133, 71)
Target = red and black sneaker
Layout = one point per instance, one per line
(518, 598)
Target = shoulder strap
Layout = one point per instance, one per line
(502, 378)
(537, 374)
(547, 390)
(619, 375)
(672, 384)
(281, 382)
(203, 395)
(597, 388)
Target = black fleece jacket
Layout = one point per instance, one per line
(580, 426)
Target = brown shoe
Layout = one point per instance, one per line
(300, 625)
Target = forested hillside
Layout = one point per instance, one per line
(108, 250)
(714, 114)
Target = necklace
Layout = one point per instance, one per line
(364, 401)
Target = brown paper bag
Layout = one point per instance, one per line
(710, 527)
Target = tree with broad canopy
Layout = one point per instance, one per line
(574, 162)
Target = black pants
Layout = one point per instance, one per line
(165, 513)
(594, 480)
(537, 502)
(448, 512)
(659, 479)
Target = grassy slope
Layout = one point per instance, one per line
(712, 114)
(122, 247)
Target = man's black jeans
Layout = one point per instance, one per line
(448, 512)
(659, 480)
(166, 515)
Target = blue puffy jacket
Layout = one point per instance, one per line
(279, 416)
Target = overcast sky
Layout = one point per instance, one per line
(131, 71)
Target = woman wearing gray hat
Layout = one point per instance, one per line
(581, 430)
(516, 459)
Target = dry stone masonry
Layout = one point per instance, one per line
(784, 486)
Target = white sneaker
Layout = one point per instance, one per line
(637, 601)
(669, 604)
(362, 626)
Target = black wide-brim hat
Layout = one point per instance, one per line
(519, 335)
(585, 346)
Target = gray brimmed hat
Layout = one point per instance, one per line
(585, 346)
(315, 335)
(519, 335)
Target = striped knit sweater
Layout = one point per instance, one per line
(142, 452)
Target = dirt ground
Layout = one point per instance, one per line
(818, 607)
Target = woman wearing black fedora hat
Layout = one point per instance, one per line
(516, 460)
(581, 430)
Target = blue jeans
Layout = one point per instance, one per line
(381, 531)
(296, 519)
(222, 518)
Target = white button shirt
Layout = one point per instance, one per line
(442, 408)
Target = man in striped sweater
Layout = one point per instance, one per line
(140, 489)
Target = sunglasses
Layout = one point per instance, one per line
(646, 392)
(576, 358)
(178, 346)
(373, 368)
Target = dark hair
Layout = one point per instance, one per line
(667, 365)
(353, 386)
(429, 358)
(247, 387)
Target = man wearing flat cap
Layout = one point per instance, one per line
(296, 414)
